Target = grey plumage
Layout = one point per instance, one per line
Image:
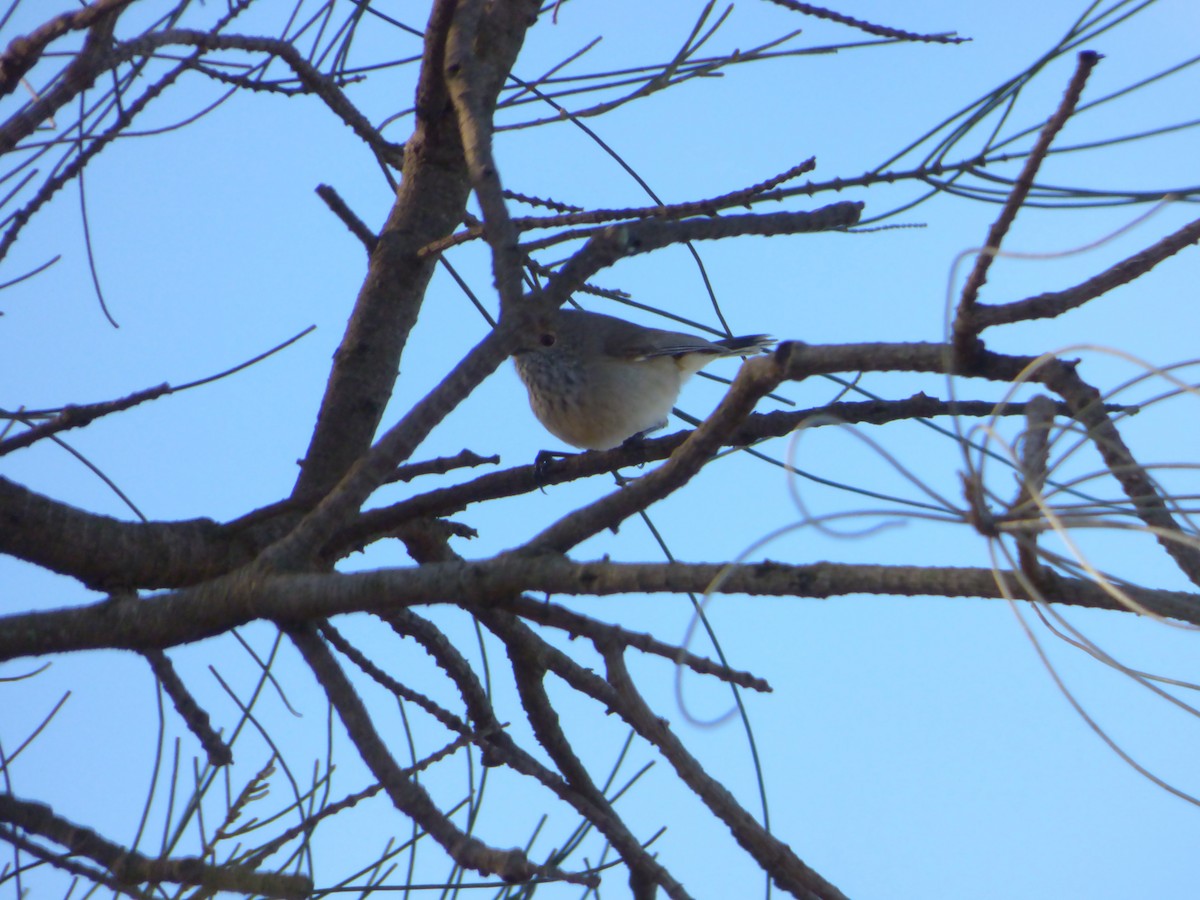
(595, 381)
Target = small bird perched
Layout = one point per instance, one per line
(595, 381)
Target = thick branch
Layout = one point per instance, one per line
(429, 204)
(474, 76)
(193, 614)
(106, 553)
(137, 555)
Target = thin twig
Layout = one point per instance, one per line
(133, 868)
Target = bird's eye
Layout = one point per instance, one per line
(547, 339)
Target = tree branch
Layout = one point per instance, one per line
(966, 330)
(197, 613)
(775, 857)
(108, 554)
(1055, 303)
(373, 523)
(133, 868)
(407, 795)
(23, 53)
(429, 204)
(617, 242)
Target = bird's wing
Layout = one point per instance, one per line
(651, 344)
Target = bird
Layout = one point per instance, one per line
(597, 381)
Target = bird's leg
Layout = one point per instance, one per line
(637, 444)
(542, 463)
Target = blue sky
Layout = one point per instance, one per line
(912, 748)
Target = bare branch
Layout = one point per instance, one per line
(23, 53)
(480, 50)
(1055, 303)
(616, 242)
(193, 614)
(197, 720)
(319, 84)
(408, 796)
(820, 12)
(429, 204)
(132, 868)
(107, 553)
(786, 869)
(758, 427)
(340, 209)
(965, 329)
